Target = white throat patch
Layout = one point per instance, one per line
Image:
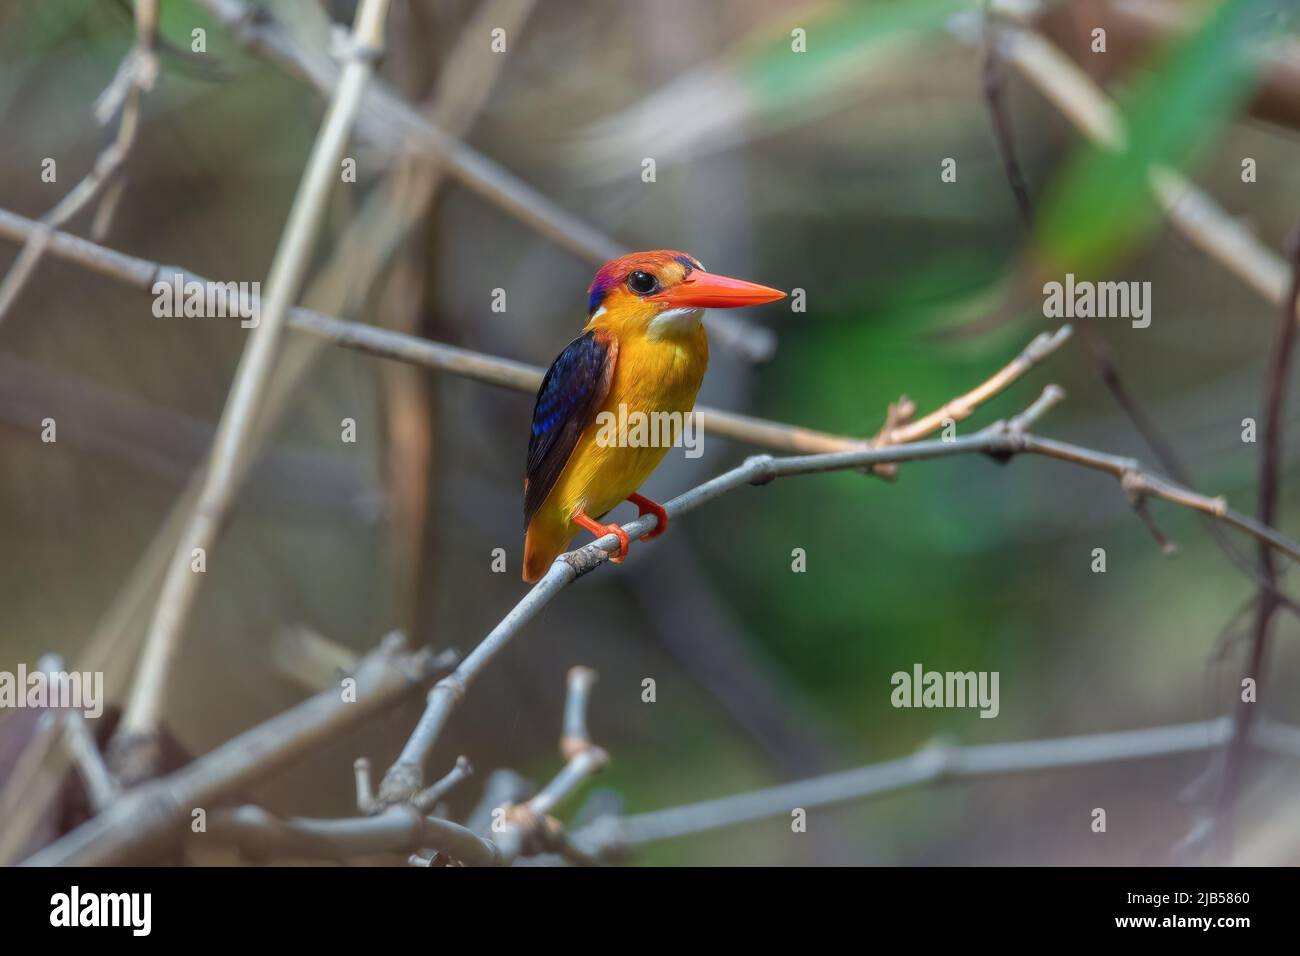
(675, 322)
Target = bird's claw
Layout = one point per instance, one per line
(582, 519)
(623, 543)
(647, 507)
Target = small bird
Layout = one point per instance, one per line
(643, 351)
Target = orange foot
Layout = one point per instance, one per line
(584, 520)
(647, 507)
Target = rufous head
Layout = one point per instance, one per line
(666, 292)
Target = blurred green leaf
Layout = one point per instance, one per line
(1102, 205)
(841, 40)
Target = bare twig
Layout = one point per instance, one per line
(1270, 475)
(365, 793)
(529, 828)
(398, 829)
(963, 406)
(310, 660)
(143, 818)
(405, 776)
(100, 785)
(143, 67)
(341, 285)
(391, 123)
(575, 737)
(1098, 349)
(463, 85)
(142, 274)
(34, 780)
(133, 750)
(526, 828)
(428, 798)
(135, 77)
(503, 786)
(1205, 224)
(152, 815)
(994, 98)
(610, 837)
(1051, 396)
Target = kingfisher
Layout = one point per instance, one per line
(642, 353)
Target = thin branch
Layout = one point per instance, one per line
(1198, 217)
(465, 81)
(610, 837)
(530, 829)
(310, 660)
(395, 126)
(1098, 349)
(398, 829)
(135, 77)
(142, 274)
(963, 406)
(405, 776)
(133, 750)
(341, 285)
(503, 786)
(100, 785)
(1270, 478)
(994, 83)
(365, 793)
(1051, 396)
(145, 68)
(33, 782)
(575, 737)
(582, 765)
(144, 818)
(152, 815)
(428, 798)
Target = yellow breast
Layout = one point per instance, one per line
(654, 387)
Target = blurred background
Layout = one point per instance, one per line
(818, 170)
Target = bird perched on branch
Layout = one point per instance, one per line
(642, 353)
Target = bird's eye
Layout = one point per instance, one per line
(642, 283)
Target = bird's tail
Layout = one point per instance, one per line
(544, 542)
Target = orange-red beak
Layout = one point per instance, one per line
(704, 290)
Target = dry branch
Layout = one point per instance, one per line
(609, 838)
(399, 829)
(145, 818)
(101, 788)
(395, 126)
(1281, 356)
(528, 828)
(142, 274)
(1198, 217)
(428, 798)
(405, 777)
(135, 77)
(35, 778)
(1098, 349)
(154, 814)
(521, 829)
(134, 751)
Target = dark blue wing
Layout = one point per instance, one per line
(572, 392)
